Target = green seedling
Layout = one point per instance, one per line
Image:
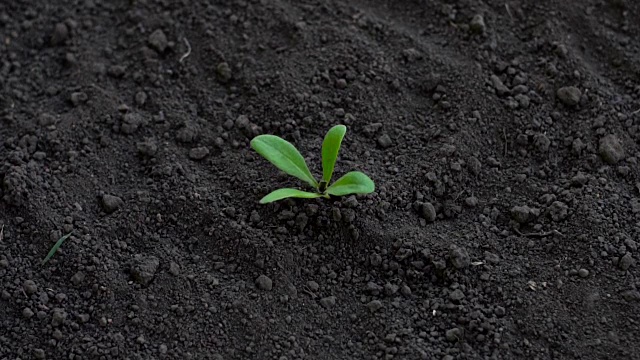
(287, 158)
(55, 248)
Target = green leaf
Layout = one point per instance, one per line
(353, 182)
(330, 149)
(284, 156)
(287, 193)
(55, 248)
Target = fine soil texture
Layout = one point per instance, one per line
(502, 137)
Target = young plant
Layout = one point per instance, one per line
(55, 248)
(287, 158)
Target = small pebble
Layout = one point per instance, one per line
(39, 354)
(198, 153)
(611, 149)
(224, 72)
(456, 295)
(477, 24)
(385, 141)
(374, 305)
(58, 317)
(174, 269)
(583, 273)
(77, 278)
(569, 95)
(454, 334)
(158, 40)
(328, 302)
(264, 283)
(78, 98)
(60, 34)
(428, 212)
(144, 269)
(626, 261)
(405, 290)
(391, 289)
(313, 286)
(117, 71)
(471, 201)
(27, 313)
(30, 287)
(141, 98)
(111, 203)
(459, 257)
(501, 88)
(147, 148)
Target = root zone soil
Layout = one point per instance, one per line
(502, 137)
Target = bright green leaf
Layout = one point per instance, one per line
(55, 248)
(330, 149)
(284, 156)
(353, 182)
(287, 193)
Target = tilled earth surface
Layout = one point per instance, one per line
(502, 136)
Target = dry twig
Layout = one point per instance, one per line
(540, 234)
(186, 42)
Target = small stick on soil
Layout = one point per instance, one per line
(506, 143)
(2, 233)
(506, 6)
(186, 42)
(540, 234)
(310, 293)
(635, 112)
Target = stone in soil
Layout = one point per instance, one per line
(144, 269)
(27, 313)
(39, 354)
(583, 273)
(459, 257)
(198, 153)
(111, 203)
(569, 95)
(524, 214)
(77, 278)
(60, 34)
(428, 212)
(374, 305)
(499, 86)
(611, 149)
(148, 147)
(385, 141)
(477, 24)
(558, 211)
(454, 335)
(263, 282)
(131, 122)
(631, 295)
(58, 317)
(626, 261)
(224, 72)
(328, 302)
(158, 40)
(456, 295)
(30, 287)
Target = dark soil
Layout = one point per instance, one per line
(502, 137)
